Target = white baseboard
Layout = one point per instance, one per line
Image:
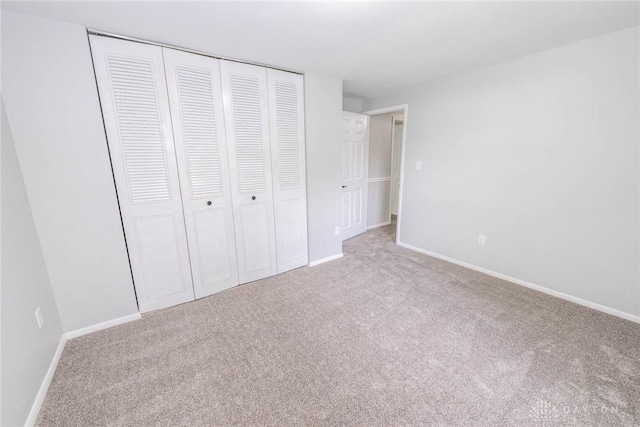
(382, 224)
(558, 294)
(103, 325)
(327, 259)
(37, 404)
(44, 387)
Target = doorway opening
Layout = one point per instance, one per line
(384, 184)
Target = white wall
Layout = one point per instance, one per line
(352, 103)
(378, 203)
(539, 154)
(323, 121)
(53, 109)
(27, 350)
(380, 134)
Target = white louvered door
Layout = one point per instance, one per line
(286, 114)
(246, 109)
(195, 96)
(133, 94)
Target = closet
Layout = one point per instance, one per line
(208, 162)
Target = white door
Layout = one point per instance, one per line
(355, 165)
(135, 107)
(286, 113)
(195, 96)
(246, 110)
(395, 164)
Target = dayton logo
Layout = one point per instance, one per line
(543, 413)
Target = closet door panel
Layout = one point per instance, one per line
(292, 234)
(133, 95)
(212, 247)
(254, 219)
(286, 113)
(247, 123)
(195, 95)
(157, 238)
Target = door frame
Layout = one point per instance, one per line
(393, 148)
(392, 109)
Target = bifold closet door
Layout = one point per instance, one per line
(195, 96)
(132, 87)
(286, 114)
(247, 123)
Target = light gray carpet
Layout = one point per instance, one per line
(381, 336)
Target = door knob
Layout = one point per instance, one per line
(253, 197)
(209, 203)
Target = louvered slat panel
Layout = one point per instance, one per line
(245, 100)
(199, 129)
(246, 109)
(288, 135)
(195, 99)
(139, 127)
(286, 121)
(135, 107)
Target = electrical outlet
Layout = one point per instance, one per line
(482, 240)
(337, 231)
(39, 317)
(419, 165)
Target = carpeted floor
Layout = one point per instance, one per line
(381, 336)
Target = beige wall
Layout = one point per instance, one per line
(27, 350)
(352, 104)
(380, 139)
(52, 105)
(323, 124)
(541, 155)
